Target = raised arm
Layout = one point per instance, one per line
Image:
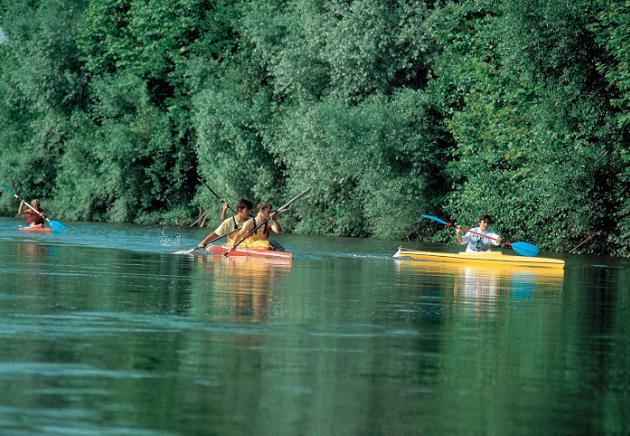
(224, 211)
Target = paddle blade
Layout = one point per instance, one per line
(7, 189)
(290, 203)
(191, 251)
(436, 219)
(56, 226)
(525, 249)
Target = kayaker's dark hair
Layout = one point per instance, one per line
(487, 218)
(244, 203)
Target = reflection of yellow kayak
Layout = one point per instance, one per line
(496, 271)
(486, 258)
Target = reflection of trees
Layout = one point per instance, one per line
(189, 344)
(90, 319)
(487, 344)
(524, 344)
(597, 313)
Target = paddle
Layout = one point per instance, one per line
(55, 225)
(284, 208)
(192, 250)
(522, 248)
(222, 200)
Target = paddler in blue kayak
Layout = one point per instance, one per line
(33, 217)
(255, 232)
(230, 225)
(477, 243)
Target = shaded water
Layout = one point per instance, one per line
(103, 330)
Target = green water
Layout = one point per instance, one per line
(103, 331)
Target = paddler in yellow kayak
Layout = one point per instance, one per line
(255, 232)
(477, 243)
(230, 225)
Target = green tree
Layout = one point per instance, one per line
(120, 166)
(612, 32)
(534, 135)
(327, 68)
(40, 84)
(372, 167)
(158, 47)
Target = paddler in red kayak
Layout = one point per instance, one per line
(477, 243)
(230, 225)
(224, 211)
(255, 232)
(33, 218)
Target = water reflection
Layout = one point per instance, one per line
(97, 340)
(477, 287)
(29, 252)
(242, 288)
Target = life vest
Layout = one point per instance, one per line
(34, 218)
(232, 235)
(259, 239)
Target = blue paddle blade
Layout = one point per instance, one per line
(57, 226)
(436, 219)
(7, 188)
(525, 249)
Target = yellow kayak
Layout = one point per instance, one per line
(485, 258)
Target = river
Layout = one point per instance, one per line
(104, 330)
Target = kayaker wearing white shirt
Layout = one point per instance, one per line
(477, 243)
(230, 225)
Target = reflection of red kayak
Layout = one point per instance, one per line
(250, 252)
(36, 229)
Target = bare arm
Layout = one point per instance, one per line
(458, 235)
(224, 213)
(208, 239)
(273, 224)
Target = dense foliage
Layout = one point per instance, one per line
(110, 109)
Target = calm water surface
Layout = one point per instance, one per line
(103, 330)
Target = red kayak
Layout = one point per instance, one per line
(36, 229)
(250, 252)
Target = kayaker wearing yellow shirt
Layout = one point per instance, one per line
(260, 237)
(230, 225)
(477, 243)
